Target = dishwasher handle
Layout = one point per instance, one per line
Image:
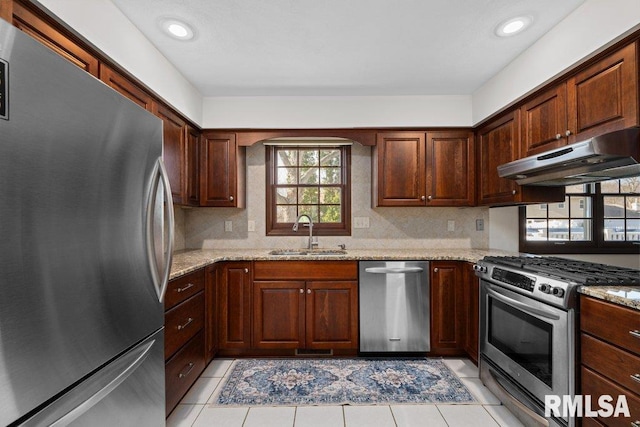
(393, 270)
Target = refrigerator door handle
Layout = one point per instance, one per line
(74, 405)
(160, 229)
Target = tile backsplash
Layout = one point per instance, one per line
(394, 228)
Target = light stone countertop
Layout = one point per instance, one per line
(628, 296)
(187, 261)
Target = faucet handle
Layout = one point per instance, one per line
(342, 246)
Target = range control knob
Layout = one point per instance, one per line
(544, 288)
(559, 292)
(479, 268)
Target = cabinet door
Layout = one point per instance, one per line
(498, 143)
(234, 306)
(210, 312)
(173, 152)
(278, 314)
(447, 316)
(332, 315)
(41, 30)
(192, 166)
(604, 97)
(399, 169)
(219, 182)
(126, 88)
(450, 168)
(471, 307)
(544, 121)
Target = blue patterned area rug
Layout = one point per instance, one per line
(341, 382)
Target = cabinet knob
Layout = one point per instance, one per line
(308, 291)
(435, 270)
(246, 270)
(558, 136)
(301, 291)
(422, 198)
(567, 133)
(231, 198)
(514, 192)
(429, 197)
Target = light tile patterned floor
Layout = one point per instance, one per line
(196, 409)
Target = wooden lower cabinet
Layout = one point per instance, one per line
(331, 315)
(234, 306)
(183, 369)
(210, 312)
(471, 308)
(447, 313)
(278, 314)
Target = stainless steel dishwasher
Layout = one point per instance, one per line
(394, 306)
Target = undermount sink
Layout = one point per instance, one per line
(289, 252)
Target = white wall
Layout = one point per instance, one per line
(102, 24)
(595, 24)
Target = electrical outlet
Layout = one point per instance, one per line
(479, 224)
(251, 225)
(228, 226)
(360, 222)
(451, 225)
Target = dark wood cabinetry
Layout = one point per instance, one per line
(184, 335)
(222, 171)
(305, 305)
(192, 166)
(610, 356)
(447, 314)
(126, 87)
(234, 306)
(211, 312)
(424, 169)
(471, 309)
(544, 121)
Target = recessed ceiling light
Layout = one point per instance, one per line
(177, 29)
(513, 26)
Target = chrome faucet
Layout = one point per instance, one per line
(310, 225)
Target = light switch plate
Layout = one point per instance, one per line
(479, 224)
(251, 225)
(228, 226)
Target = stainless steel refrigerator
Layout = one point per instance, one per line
(85, 246)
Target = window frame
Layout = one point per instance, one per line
(342, 228)
(596, 246)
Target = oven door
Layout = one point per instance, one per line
(530, 341)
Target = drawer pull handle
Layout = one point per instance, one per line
(189, 320)
(189, 285)
(635, 377)
(635, 423)
(635, 333)
(189, 369)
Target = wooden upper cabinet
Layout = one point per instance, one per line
(173, 152)
(399, 169)
(192, 166)
(222, 166)
(604, 97)
(544, 121)
(126, 87)
(41, 30)
(450, 168)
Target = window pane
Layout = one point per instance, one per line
(310, 210)
(608, 187)
(630, 185)
(580, 207)
(308, 195)
(329, 157)
(559, 210)
(286, 196)
(308, 157)
(580, 188)
(330, 196)
(330, 175)
(633, 207)
(536, 211)
(559, 229)
(287, 176)
(536, 229)
(614, 229)
(309, 175)
(287, 157)
(286, 213)
(330, 214)
(580, 229)
(633, 230)
(613, 207)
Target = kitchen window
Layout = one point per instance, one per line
(594, 218)
(309, 180)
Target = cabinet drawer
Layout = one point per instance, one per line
(183, 287)
(613, 323)
(183, 322)
(610, 361)
(596, 385)
(305, 270)
(183, 370)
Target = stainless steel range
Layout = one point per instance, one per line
(528, 328)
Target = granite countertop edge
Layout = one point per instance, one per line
(605, 293)
(187, 261)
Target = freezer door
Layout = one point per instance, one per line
(83, 255)
(127, 392)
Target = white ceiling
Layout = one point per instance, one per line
(342, 47)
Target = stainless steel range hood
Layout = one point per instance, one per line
(609, 156)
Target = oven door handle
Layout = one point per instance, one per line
(521, 306)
